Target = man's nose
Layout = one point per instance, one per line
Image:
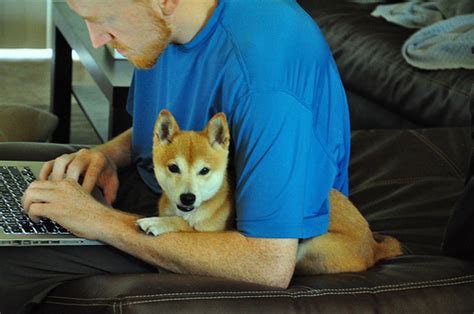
(99, 36)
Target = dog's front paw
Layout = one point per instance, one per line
(154, 225)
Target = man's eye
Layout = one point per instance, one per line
(204, 171)
(173, 168)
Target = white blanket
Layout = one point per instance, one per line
(418, 13)
(448, 44)
(446, 38)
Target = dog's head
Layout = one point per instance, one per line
(190, 166)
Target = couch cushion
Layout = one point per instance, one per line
(25, 124)
(406, 182)
(368, 53)
(459, 236)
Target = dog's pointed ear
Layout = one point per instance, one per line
(218, 131)
(165, 127)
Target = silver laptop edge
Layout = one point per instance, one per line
(40, 239)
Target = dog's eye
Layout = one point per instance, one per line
(173, 168)
(204, 171)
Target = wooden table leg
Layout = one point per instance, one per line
(61, 85)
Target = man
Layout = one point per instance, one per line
(264, 64)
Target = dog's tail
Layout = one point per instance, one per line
(386, 246)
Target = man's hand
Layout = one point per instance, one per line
(67, 203)
(93, 164)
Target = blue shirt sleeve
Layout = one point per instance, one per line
(283, 171)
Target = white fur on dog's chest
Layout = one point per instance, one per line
(197, 220)
(192, 218)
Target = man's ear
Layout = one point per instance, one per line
(218, 131)
(165, 128)
(167, 7)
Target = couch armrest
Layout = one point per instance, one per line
(403, 284)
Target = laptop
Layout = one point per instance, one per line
(16, 228)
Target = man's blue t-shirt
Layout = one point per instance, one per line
(266, 65)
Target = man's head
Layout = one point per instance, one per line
(139, 29)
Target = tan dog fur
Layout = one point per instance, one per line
(349, 245)
(209, 148)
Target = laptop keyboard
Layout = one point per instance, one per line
(13, 182)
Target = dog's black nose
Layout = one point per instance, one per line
(187, 199)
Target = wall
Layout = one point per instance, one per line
(24, 23)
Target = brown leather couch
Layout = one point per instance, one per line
(404, 179)
(383, 90)
(405, 182)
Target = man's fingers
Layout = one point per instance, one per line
(93, 172)
(46, 170)
(110, 190)
(35, 195)
(90, 179)
(75, 169)
(37, 211)
(60, 165)
(78, 166)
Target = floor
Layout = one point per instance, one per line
(28, 83)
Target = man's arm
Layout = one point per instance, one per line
(219, 254)
(119, 149)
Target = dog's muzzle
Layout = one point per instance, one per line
(185, 209)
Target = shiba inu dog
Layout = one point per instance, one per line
(191, 168)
